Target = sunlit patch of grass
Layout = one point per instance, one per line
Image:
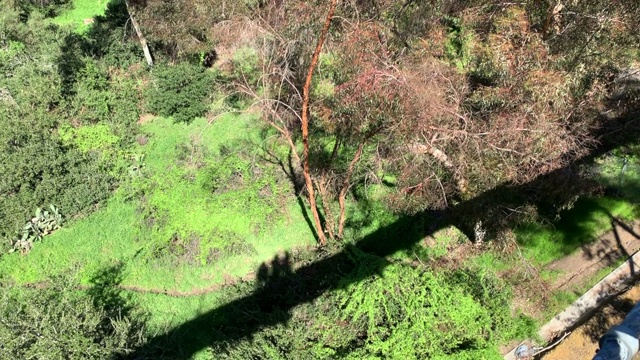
(80, 11)
(169, 227)
(212, 209)
(106, 236)
(490, 261)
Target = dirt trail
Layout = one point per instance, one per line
(620, 242)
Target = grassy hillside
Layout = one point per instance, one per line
(170, 228)
(80, 13)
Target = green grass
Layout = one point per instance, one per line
(168, 312)
(589, 218)
(79, 11)
(169, 228)
(106, 236)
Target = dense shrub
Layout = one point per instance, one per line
(246, 65)
(37, 169)
(401, 313)
(108, 100)
(50, 8)
(44, 67)
(180, 91)
(58, 322)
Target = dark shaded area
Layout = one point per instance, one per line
(107, 295)
(600, 322)
(210, 58)
(49, 8)
(105, 292)
(296, 179)
(279, 289)
(107, 37)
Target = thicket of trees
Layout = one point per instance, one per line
(446, 99)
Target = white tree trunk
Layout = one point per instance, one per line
(143, 41)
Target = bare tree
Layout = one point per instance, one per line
(305, 123)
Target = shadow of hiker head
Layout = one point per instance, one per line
(280, 267)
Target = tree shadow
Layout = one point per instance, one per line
(622, 251)
(294, 177)
(107, 295)
(610, 250)
(279, 288)
(105, 292)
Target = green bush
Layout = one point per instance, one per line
(401, 313)
(414, 314)
(98, 97)
(458, 45)
(87, 138)
(180, 91)
(38, 169)
(52, 83)
(58, 322)
(246, 65)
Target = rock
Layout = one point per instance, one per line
(627, 80)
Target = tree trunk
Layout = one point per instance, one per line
(329, 223)
(305, 124)
(345, 187)
(143, 40)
